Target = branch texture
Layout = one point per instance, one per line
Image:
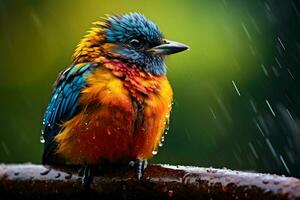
(31, 181)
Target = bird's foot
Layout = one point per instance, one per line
(87, 176)
(140, 166)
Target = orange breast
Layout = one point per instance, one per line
(111, 127)
(155, 115)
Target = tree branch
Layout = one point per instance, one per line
(159, 182)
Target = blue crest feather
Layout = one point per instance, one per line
(123, 28)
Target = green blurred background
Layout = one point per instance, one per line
(236, 91)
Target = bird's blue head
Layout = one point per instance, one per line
(138, 40)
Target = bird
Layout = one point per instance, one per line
(113, 104)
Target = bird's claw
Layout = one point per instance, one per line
(140, 166)
(86, 176)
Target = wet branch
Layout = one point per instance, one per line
(30, 181)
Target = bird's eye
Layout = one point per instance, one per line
(135, 43)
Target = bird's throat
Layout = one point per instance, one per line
(139, 83)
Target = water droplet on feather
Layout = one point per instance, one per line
(42, 140)
(154, 152)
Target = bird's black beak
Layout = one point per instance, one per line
(169, 47)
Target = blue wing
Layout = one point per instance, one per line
(64, 104)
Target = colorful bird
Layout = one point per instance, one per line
(113, 103)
